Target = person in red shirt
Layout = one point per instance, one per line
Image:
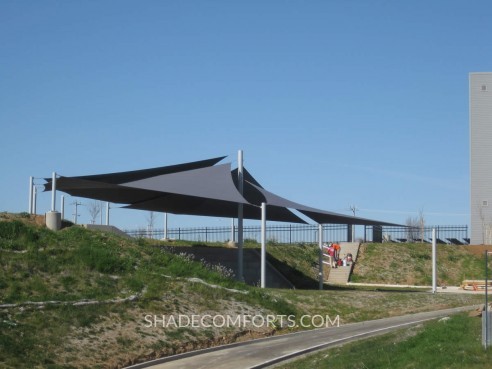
(336, 248)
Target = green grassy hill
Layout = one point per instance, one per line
(385, 263)
(411, 263)
(79, 298)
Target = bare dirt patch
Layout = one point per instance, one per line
(119, 340)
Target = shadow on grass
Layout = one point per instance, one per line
(299, 279)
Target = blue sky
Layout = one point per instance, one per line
(335, 103)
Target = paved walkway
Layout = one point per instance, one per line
(262, 353)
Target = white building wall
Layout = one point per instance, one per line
(481, 158)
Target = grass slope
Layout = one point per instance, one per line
(446, 344)
(76, 264)
(104, 271)
(411, 264)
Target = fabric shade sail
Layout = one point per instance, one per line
(256, 194)
(207, 191)
(135, 175)
(198, 188)
(195, 188)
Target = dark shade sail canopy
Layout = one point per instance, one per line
(256, 194)
(195, 188)
(135, 175)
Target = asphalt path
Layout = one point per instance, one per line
(265, 352)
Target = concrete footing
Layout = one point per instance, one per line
(53, 220)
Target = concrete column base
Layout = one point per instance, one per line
(53, 220)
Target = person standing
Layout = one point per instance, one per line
(337, 248)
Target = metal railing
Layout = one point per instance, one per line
(456, 235)
(285, 234)
(308, 233)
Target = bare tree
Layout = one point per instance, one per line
(421, 220)
(412, 228)
(94, 208)
(416, 227)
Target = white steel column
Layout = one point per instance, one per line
(62, 205)
(320, 258)
(233, 232)
(35, 198)
(53, 192)
(31, 185)
(240, 178)
(263, 245)
(434, 261)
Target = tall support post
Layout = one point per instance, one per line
(233, 232)
(107, 213)
(240, 177)
(263, 245)
(485, 335)
(35, 198)
(53, 192)
(320, 258)
(434, 261)
(52, 217)
(31, 185)
(101, 212)
(165, 226)
(62, 205)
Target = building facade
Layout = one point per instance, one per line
(481, 158)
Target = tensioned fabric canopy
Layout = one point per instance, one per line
(195, 188)
(256, 194)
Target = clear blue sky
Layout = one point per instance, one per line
(335, 103)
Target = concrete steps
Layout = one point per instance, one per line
(341, 275)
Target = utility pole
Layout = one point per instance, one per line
(76, 214)
(353, 208)
(107, 213)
